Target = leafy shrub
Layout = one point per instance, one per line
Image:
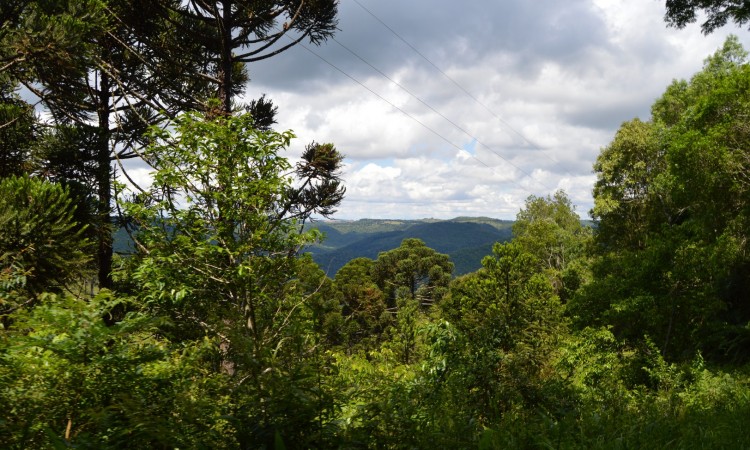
(41, 245)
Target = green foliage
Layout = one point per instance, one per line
(363, 305)
(223, 336)
(68, 379)
(49, 40)
(381, 408)
(403, 332)
(414, 271)
(17, 134)
(672, 205)
(629, 200)
(106, 69)
(218, 235)
(39, 236)
(551, 231)
(630, 397)
(715, 13)
(511, 321)
(223, 206)
(324, 302)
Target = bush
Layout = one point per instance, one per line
(42, 247)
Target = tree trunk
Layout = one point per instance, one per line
(104, 185)
(227, 61)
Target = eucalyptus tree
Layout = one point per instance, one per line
(628, 199)
(549, 228)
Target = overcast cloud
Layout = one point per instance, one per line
(551, 82)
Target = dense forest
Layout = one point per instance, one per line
(466, 240)
(218, 331)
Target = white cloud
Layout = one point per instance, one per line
(553, 80)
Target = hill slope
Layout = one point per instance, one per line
(465, 240)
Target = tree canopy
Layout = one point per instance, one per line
(413, 270)
(105, 68)
(232, 33)
(717, 13)
(671, 203)
(39, 236)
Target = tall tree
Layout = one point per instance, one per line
(550, 229)
(233, 33)
(510, 321)
(627, 200)
(673, 203)
(413, 270)
(219, 236)
(110, 64)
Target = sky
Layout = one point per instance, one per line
(446, 109)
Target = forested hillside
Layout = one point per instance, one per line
(465, 240)
(218, 332)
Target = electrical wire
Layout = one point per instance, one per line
(456, 83)
(457, 126)
(432, 130)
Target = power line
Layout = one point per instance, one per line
(401, 110)
(406, 202)
(456, 83)
(459, 127)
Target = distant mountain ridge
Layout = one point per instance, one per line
(465, 239)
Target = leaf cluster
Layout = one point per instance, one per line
(39, 236)
(717, 13)
(671, 206)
